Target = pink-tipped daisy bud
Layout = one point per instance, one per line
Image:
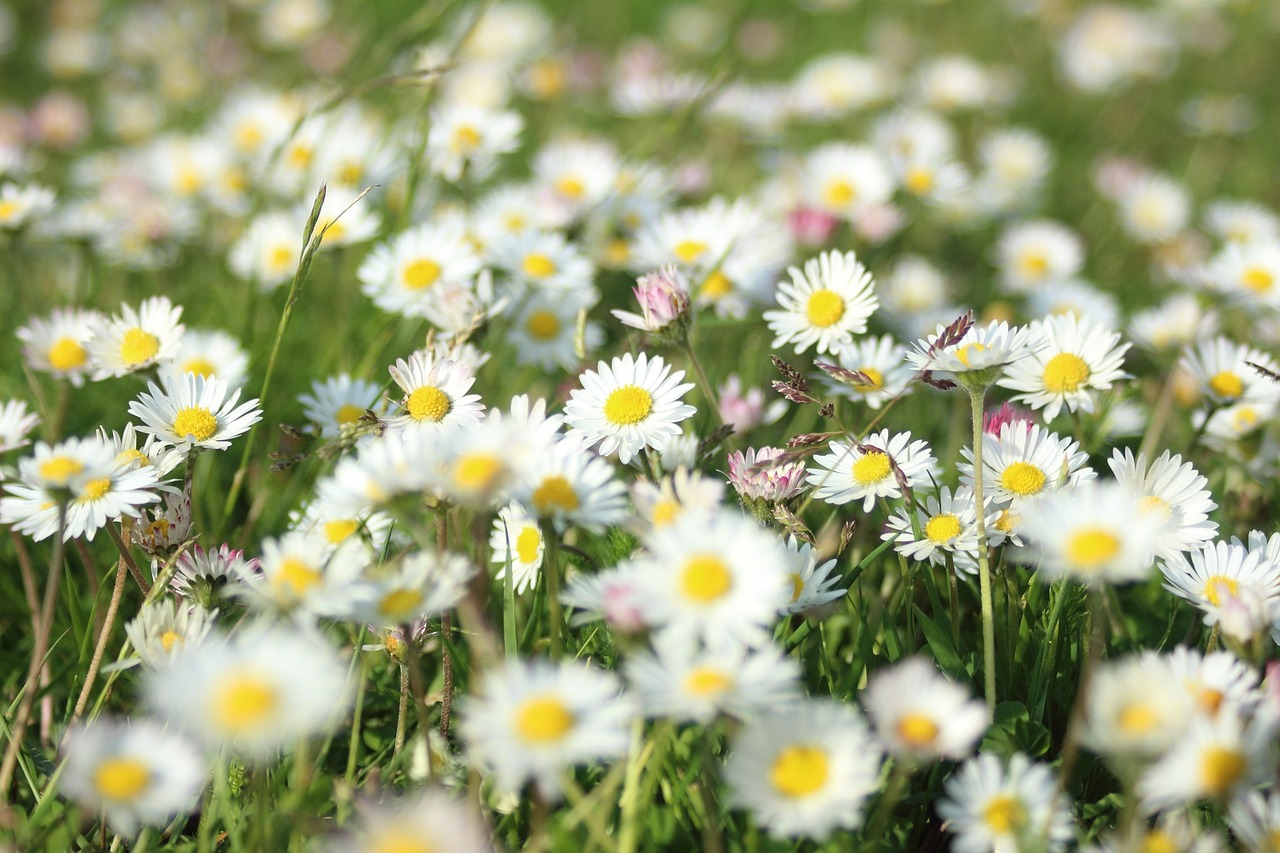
(756, 476)
(663, 298)
(811, 227)
(994, 421)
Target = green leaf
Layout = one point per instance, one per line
(939, 641)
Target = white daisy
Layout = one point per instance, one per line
(948, 527)
(546, 260)
(58, 344)
(203, 576)
(1254, 818)
(1025, 461)
(21, 205)
(672, 497)
(842, 178)
(628, 405)
(1220, 367)
(1155, 208)
(300, 573)
(163, 629)
(574, 175)
(426, 821)
(16, 423)
(136, 772)
(1075, 359)
(1177, 322)
(812, 584)
(397, 463)
(1217, 682)
(417, 587)
(569, 484)
(717, 577)
(990, 806)
(1219, 573)
(1242, 221)
(209, 354)
(1248, 273)
(256, 692)
(1038, 253)
(192, 411)
(876, 468)
(544, 329)
(1077, 297)
(1094, 533)
(101, 500)
(1173, 490)
(471, 139)
(399, 275)
(980, 350)
(804, 771)
(516, 541)
(136, 340)
(338, 402)
(882, 361)
(533, 720)
(435, 394)
(267, 252)
(1214, 760)
(683, 682)
(921, 715)
(1135, 708)
(825, 305)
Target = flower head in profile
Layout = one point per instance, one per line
(977, 354)
(762, 474)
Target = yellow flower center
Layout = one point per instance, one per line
(1138, 719)
(67, 354)
(200, 367)
(1220, 769)
(571, 187)
(281, 256)
(707, 682)
(538, 265)
(1227, 384)
(797, 586)
(1004, 814)
(919, 181)
(942, 528)
(244, 702)
(690, 250)
(875, 380)
(1209, 700)
(965, 352)
(705, 579)
(1090, 548)
(617, 252)
(1155, 505)
(1217, 585)
(169, 639)
(527, 544)
(138, 347)
(8, 210)
(665, 512)
(1246, 418)
(400, 840)
(917, 730)
(839, 193)
(348, 413)
(477, 472)
(465, 138)
(1023, 478)
(825, 308)
(400, 604)
(300, 156)
(95, 490)
(1034, 265)
(129, 456)
(871, 468)
(428, 403)
(799, 771)
(1158, 841)
(420, 274)
(1065, 373)
(1005, 521)
(543, 720)
(295, 576)
(717, 286)
(1257, 279)
(350, 173)
(248, 136)
(337, 531)
(57, 470)
(121, 778)
(195, 421)
(628, 404)
(555, 492)
(542, 325)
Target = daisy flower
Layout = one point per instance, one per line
(804, 771)
(571, 485)
(136, 340)
(1174, 491)
(101, 500)
(257, 692)
(717, 577)
(628, 405)
(990, 806)
(1038, 253)
(824, 305)
(209, 354)
(435, 393)
(613, 595)
(66, 467)
(1220, 572)
(338, 402)
(545, 259)
(921, 715)
(1250, 273)
(399, 275)
(204, 575)
(516, 541)
(812, 584)
(301, 573)
(1093, 533)
(135, 772)
(980, 350)
(1077, 297)
(1025, 461)
(58, 344)
(20, 205)
(192, 411)
(419, 586)
(1254, 818)
(1135, 708)
(470, 138)
(681, 682)
(1216, 682)
(756, 476)
(674, 496)
(163, 629)
(574, 175)
(882, 361)
(875, 469)
(343, 221)
(1155, 208)
(842, 178)
(1221, 370)
(544, 329)
(482, 464)
(16, 423)
(426, 821)
(1212, 761)
(267, 252)
(947, 525)
(396, 464)
(1076, 359)
(533, 720)
(336, 526)
(1242, 222)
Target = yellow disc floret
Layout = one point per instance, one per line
(705, 579)
(121, 778)
(196, 422)
(428, 403)
(800, 771)
(1023, 478)
(138, 347)
(825, 308)
(543, 720)
(628, 404)
(872, 468)
(1090, 548)
(1065, 373)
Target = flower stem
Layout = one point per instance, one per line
(630, 802)
(117, 593)
(976, 396)
(708, 390)
(552, 565)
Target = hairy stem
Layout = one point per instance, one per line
(976, 396)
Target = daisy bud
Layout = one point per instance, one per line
(995, 421)
(622, 611)
(756, 477)
(811, 227)
(664, 303)
(740, 410)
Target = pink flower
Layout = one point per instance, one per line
(993, 422)
(811, 227)
(621, 605)
(876, 223)
(745, 411)
(663, 298)
(754, 476)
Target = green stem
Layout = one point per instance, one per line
(712, 840)
(628, 835)
(552, 571)
(976, 396)
(893, 791)
(708, 390)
